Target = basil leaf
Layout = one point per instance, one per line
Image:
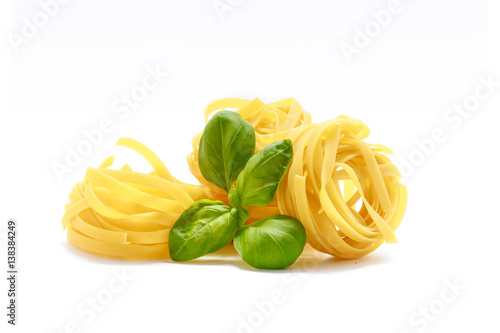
(234, 197)
(205, 227)
(242, 213)
(271, 243)
(259, 181)
(226, 145)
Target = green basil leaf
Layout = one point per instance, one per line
(259, 181)
(234, 197)
(242, 213)
(271, 243)
(205, 227)
(226, 145)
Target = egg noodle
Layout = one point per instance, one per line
(332, 170)
(128, 215)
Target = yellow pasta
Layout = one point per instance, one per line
(345, 191)
(332, 169)
(126, 214)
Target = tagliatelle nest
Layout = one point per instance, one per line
(332, 170)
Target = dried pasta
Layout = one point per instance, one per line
(333, 169)
(345, 191)
(127, 214)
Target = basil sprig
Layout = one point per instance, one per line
(225, 156)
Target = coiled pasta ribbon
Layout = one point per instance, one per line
(126, 214)
(325, 156)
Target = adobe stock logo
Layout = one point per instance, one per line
(425, 315)
(453, 118)
(364, 36)
(264, 309)
(222, 7)
(32, 26)
(121, 109)
(88, 310)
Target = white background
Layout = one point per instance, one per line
(66, 78)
